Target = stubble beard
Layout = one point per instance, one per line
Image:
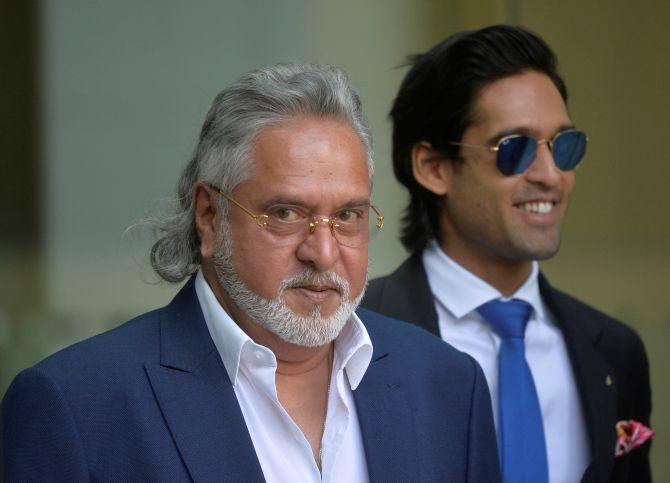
(535, 247)
(312, 330)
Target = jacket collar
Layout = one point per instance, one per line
(196, 398)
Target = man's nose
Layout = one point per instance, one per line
(543, 169)
(320, 248)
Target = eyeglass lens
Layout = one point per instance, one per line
(515, 154)
(351, 234)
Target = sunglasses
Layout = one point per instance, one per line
(515, 153)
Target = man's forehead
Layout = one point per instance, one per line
(309, 158)
(527, 103)
(309, 138)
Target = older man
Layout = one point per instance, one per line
(259, 368)
(484, 143)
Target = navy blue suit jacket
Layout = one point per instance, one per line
(151, 400)
(607, 357)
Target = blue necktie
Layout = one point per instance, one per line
(523, 452)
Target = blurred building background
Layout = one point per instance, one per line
(101, 103)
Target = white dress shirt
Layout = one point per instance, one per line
(457, 294)
(283, 451)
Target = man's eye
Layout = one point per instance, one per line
(349, 216)
(283, 213)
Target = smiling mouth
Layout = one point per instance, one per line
(541, 207)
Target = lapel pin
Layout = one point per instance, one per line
(608, 380)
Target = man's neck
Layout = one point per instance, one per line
(507, 276)
(303, 374)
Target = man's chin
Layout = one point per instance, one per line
(311, 330)
(543, 251)
(533, 247)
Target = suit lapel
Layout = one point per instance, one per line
(594, 381)
(197, 399)
(383, 407)
(407, 295)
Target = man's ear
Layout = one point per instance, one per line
(431, 169)
(205, 206)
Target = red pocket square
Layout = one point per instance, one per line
(629, 435)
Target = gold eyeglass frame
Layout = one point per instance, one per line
(262, 219)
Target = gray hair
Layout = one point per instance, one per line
(259, 99)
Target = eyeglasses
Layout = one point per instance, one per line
(351, 226)
(515, 153)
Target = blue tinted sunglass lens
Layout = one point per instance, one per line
(569, 149)
(515, 154)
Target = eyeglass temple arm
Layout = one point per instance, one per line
(243, 208)
(380, 217)
(493, 149)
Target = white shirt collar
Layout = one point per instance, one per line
(353, 344)
(461, 291)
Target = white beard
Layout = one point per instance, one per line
(274, 315)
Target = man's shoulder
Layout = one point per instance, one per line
(590, 319)
(408, 272)
(392, 329)
(406, 286)
(129, 345)
(94, 394)
(110, 355)
(412, 345)
(375, 290)
(405, 295)
(618, 344)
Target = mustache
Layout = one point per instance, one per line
(311, 277)
(531, 193)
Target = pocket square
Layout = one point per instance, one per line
(629, 435)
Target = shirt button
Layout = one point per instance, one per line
(258, 355)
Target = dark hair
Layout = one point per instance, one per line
(436, 99)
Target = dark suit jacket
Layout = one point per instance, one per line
(602, 350)
(151, 400)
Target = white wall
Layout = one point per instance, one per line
(126, 85)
